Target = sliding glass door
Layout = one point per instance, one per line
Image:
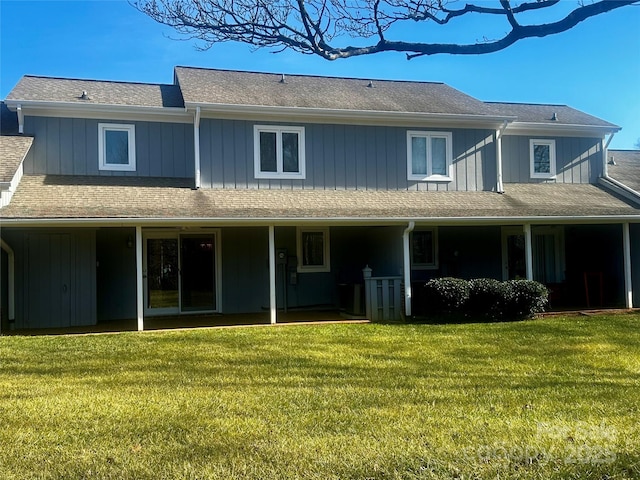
(179, 272)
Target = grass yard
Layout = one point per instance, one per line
(550, 398)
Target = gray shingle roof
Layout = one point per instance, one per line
(206, 86)
(49, 89)
(136, 197)
(626, 169)
(12, 151)
(544, 114)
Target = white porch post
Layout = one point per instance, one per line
(528, 251)
(272, 274)
(139, 281)
(406, 253)
(628, 286)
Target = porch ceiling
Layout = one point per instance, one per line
(69, 197)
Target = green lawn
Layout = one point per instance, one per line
(550, 398)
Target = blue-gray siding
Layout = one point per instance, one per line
(578, 160)
(343, 157)
(65, 146)
(55, 277)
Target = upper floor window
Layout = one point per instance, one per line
(279, 152)
(117, 147)
(313, 249)
(429, 156)
(543, 158)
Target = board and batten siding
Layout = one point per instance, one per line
(578, 159)
(343, 157)
(69, 146)
(55, 277)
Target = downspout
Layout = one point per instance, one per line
(406, 253)
(11, 259)
(196, 146)
(273, 308)
(140, 274)
(499, 133)
(20, 119)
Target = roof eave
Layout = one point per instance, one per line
(314, 114)
(288, 221)
(561, 128)
(95, 110)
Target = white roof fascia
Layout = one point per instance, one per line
(343, 116)
(559, 130)
(328, 221)
(105, 111)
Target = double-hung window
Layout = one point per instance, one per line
(313, 249)
(279, 152)
(429, 156)
(424, 248)
(542, 158)
(117, 147)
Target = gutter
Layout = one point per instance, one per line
(284, 221)
(77, 107)
(367, 116)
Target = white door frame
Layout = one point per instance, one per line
(177, 235)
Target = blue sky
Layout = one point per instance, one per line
(594, 67)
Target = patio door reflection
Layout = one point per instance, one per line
(162, 269)
(198, 273)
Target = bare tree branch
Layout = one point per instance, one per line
(318, 27)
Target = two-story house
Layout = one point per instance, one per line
(237, 192)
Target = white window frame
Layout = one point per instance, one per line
(279, 173)
(430, 176)
(326, 265)
(434, 236)
(552, 158)
(103, 128)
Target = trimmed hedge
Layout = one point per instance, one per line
(485, 298)
(446, 295)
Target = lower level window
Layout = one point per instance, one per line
(424, 249)
(313, 249)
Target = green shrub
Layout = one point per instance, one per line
(486, 298)
(446, 295)
(525, 298)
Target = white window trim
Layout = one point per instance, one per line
(429, 177)
(326, 266)
(552, 158)
(102, 161)
(278, 130)
(426, 266)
